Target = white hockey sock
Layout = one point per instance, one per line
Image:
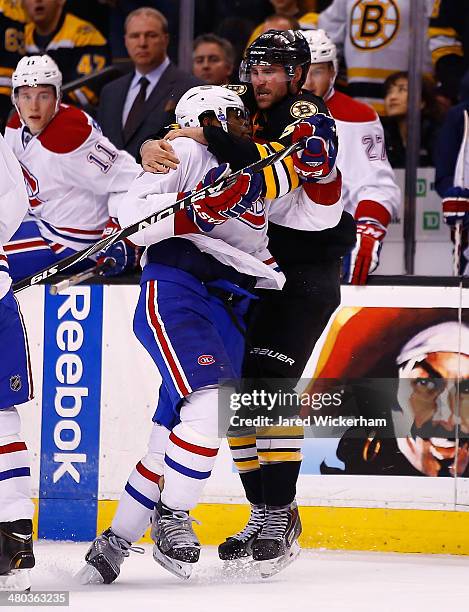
(142, 490)
(15, 475)
(191, 451)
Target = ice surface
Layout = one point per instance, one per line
(319, 580)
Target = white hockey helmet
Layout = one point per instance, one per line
(321, 47)
(36, 70)
(204, 98)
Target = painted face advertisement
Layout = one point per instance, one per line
(410, 365)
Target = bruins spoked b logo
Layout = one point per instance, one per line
(373, 23)
(303, 109)
(15, 382)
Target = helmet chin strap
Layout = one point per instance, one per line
(330, 92)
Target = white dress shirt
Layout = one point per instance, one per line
(153, 76)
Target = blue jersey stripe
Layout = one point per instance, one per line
(142, 499)
(71, 237)
(182, 469)
(14, 473)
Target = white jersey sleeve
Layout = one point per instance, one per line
(13, 206)
(366, 172)
(13, 196)
(149, 193)
(334, 21)
(297, 211)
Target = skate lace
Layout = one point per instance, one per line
(254, 525)
(178, 529)
(122, 546)
(275, 525)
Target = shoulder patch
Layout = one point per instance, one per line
(302, 109)
(67, 131)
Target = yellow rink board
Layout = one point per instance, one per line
(374, 529)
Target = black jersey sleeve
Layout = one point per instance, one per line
(238, 152)
(279, 179)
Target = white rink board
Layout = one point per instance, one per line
(129, 386)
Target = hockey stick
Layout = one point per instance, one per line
(218, 185)
(457, 248)
(81, 277)
(459, 181)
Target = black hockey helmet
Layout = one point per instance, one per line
(287, 48)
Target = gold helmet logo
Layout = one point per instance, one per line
(373, 23)
(238, 89)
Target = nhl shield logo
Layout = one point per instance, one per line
(15, 382)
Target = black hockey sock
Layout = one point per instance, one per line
(279, 482)
(252, 484)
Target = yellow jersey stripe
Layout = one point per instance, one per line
(435, 32)
(378, 73)
(246, 441)
(269, 179)
(247, 466)
(280, 432)
(276, 457)
(442, 51)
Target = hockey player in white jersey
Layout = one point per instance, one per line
(16, 507)
(369, 189)
(74, 175)
(183, 321)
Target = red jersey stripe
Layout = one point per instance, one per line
(193, 448)
(13, 447)
(162, 341)
(146, 473)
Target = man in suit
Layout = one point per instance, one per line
(139, 104)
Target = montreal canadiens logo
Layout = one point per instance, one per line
(206, 360)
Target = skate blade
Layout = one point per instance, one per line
(16, 580)
(178, 568)
(88, 574)
(271, 567)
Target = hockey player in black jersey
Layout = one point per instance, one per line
(289, 323)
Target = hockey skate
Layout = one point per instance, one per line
(240, 545)
(16, 555)
(104, 558)
(277, 544)
(176, 546)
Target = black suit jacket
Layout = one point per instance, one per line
(158, 111)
